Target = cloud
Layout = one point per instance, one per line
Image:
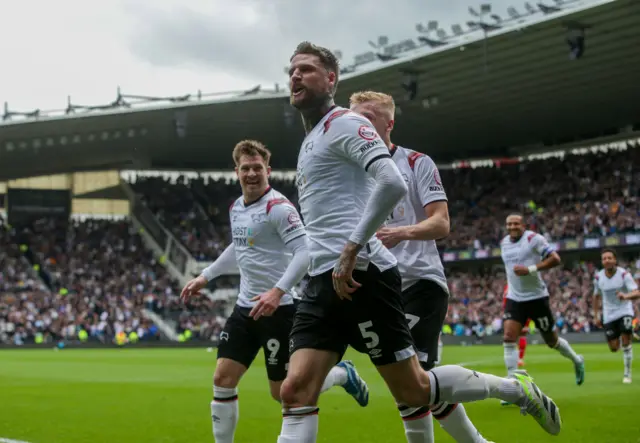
(245, 37)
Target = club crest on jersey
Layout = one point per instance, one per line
(259, 218)
(308, 146)
(367, 132)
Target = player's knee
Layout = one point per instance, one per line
(413, 393)
(222, 379)
(294, 394)
(509, 337)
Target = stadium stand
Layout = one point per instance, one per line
(98, 277)
(573, 197)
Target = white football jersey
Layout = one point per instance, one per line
(334, 187)
(608, 288)
(417, 260)
(527, 251)
(260, 232)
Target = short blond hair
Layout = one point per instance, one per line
(385, 100)
(251, 148)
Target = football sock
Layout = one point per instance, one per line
(627, 355)
(455, 384)
(454, 420)
(224, 414)
(522, 347)
(299, 425)
(565, 349)
(418, 424)
(337, 376)
(510, 357)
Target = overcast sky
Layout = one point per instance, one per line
(85, 48)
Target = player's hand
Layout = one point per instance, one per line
(267, 303)
(389, 237)
(193, 287)
(520, 270)
(343, 282)
(622, 296)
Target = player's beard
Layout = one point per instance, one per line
(311, 101)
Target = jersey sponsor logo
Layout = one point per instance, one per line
(367, 133)
(435, 189)
(242, 236)
(405, 177)
(224, 336)
(369, 145)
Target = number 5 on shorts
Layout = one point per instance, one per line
(372, 338)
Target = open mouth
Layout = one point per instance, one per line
(298, 90)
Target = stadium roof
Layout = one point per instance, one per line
(529, 94)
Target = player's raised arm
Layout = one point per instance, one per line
(286, 220)
(360, 142)
(225, 264)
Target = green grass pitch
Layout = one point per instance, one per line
(162, 395)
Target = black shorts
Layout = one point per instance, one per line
(614, 329)
(537, 310)
(373, 322)
(242, 338)
(425, 306)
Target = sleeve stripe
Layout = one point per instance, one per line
(375, 159)
(294, 238)
(435, 201)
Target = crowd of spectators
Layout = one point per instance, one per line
(475, 306)
(58, 277)
(574, 197)
(100, 279)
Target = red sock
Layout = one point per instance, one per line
(522, 346)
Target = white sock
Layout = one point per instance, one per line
(337, 376)
(224, 414)
(564, 348)
(440, 346)
(454, 420)
(627, 356)
(510, 357)
(299, 425)
(455, 384)
(418, 424)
